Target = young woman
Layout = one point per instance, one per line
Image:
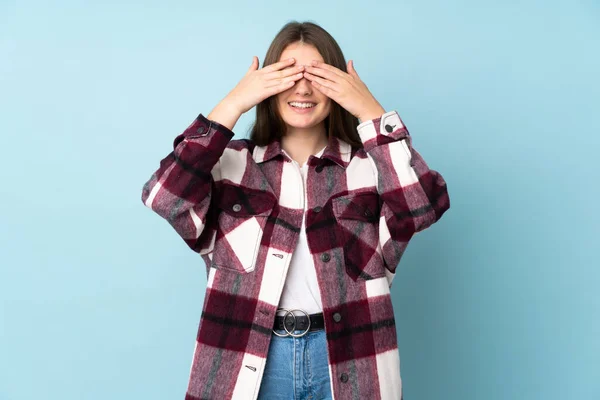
(301, 227)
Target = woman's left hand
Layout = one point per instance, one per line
(346, 89)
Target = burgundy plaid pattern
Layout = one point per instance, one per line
(240, 206)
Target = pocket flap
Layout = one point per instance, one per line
(244, 202)
(360, 206)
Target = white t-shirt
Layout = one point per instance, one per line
(301, 289)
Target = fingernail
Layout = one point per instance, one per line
(291, 59)
(314, 62)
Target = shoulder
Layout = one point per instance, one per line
(237, 156)
(239, 148)
(241, 145)
(237, 164)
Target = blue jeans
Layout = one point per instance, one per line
(296, 368)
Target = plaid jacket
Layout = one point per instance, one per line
(240, 206)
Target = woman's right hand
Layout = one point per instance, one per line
(255, 86)
(259, 84)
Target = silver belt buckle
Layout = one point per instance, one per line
(288, 333)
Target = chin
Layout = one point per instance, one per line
(300, 122)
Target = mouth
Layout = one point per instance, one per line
(302, 106)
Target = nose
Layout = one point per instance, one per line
(303, 87)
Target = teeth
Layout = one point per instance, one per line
(302, 105)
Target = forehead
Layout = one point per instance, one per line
(302, 52)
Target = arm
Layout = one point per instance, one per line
(413, 196)
(180, 190)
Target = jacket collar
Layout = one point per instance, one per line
(337, 150)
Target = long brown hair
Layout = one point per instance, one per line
(269, 125)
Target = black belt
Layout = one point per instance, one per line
(299, 322)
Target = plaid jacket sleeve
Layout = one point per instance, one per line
(181, 189)
(413, 196)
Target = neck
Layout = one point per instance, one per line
(302, 143)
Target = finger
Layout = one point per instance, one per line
(324, 73)
(283, 86)
(351, 69)
(254, 65)
(322, 82)
(284, 73)
(279, 65)
(325, 90)
(330, 68)
(279, 81)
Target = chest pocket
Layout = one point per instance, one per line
(241, 221)
(357, 217)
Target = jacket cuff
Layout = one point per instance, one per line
(204, 129)
(387, 128)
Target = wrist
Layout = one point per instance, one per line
(229, 104)
(371, 113)
(225, 113)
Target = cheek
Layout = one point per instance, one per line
(327, 108)
(283, 96)
(324, 99)
(280, 101)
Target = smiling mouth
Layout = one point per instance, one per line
(303, 105)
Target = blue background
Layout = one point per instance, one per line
(100, 299)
